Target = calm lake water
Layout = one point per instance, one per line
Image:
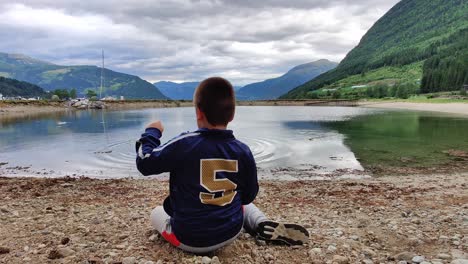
(318, 139)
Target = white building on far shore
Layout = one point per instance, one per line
(1, 96)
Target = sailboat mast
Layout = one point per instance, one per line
(102, 75)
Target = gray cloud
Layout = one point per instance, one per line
(183, 40)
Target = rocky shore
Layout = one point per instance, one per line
(405, 219)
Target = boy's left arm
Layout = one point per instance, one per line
(249, 181)
(152, 158)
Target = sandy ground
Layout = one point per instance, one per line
(452, 108)
(376, 220)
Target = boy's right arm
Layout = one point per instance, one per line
(151, 157)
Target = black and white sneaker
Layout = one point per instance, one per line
(290, 234)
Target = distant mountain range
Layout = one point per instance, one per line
(418, 42)
(273, 88)
(51, 76)
(268, 89)
(179, 91)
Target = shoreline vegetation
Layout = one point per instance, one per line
(21, 109)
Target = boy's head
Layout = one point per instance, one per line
(215, 102)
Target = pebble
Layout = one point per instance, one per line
(417, 259)
(215, 260)
(54, 254)
(331, 248)
(153, 238)
(65, 241)
(444, 256)
(406, 256)
(367, 261)
(315, 251)
(354, 237)
(4, 250)
(129, 260)
(206, 260)
(368, 252)
(425, 262)
(65, 252)
(340, 259)
(459, 261)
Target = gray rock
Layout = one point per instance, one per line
(65, 252)
(459, 261)
(129, 260)
(406, 256)
(215, 260)
(205, 260)
(425, 262)
(417, 259)
(340, 259)
(444, 256)
(402, 262)
(367, 261)
(331, 248)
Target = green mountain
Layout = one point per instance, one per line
(417, 42)
(273, 88)
(82, 78)
(12, 88)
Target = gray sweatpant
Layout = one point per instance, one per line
(161, 222)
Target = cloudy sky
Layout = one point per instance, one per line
(187, 40)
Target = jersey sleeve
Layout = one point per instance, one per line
(152, 158)
(249, 179)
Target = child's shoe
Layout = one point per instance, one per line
(290, 234)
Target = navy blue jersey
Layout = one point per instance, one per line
(212, 174)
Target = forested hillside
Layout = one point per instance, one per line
(12, 88)
(82, 78)
(412, 31)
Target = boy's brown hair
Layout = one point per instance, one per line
(216, 99)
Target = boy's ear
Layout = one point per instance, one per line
(200, 114)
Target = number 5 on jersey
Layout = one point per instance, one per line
(208, 170)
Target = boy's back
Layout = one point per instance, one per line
(212, 175)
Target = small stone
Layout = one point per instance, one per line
(54, 254)
(65, 252)
(425, 262)
(129, 260)
(402, 262)
(459, 261)
(443, 256)
(65, 241)
(331, 248)
(354, 237)
(315, 252)
(367, 261)
(406, 256)
(215, 260)
(205, 260)
(340, 259)
(4, 250)
(417, 259)
(368, 252)
(153, 238)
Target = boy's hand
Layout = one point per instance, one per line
(158, 125)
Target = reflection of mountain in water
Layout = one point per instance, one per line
(403, 138)
(34, 128)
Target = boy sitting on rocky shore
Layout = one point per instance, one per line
(213, 179)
